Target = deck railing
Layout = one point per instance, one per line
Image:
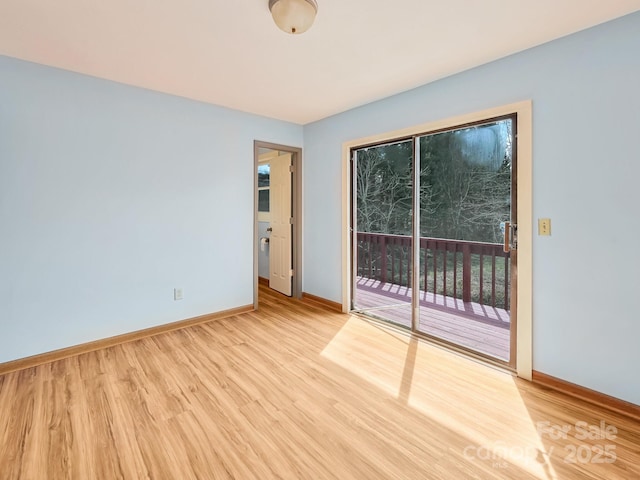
(470, 271)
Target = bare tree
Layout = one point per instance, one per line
(383, 194)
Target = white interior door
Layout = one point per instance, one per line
(280, 272)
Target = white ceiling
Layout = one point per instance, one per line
(230, 53)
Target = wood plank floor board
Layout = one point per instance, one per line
(291, 391)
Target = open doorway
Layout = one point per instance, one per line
(277, 220)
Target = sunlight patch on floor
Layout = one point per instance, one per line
(382, 368)
(437, 383)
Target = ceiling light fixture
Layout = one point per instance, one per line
(293, 16)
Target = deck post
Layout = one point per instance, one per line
(466, 273)
(383, 258)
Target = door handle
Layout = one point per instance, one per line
(507, 237)
(269, 229)
(510, 237)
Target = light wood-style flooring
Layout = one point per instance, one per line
(293, 391)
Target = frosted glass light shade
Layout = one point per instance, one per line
(293, 16)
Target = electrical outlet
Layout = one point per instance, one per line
(544, 226)
(177, 294)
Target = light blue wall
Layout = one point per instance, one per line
(586, 171)
(111, 196)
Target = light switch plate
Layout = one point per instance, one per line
(544, 226)
(177, 294)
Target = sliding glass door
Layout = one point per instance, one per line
(382, 231)
(433, 226)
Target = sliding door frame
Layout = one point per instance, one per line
(523, 312)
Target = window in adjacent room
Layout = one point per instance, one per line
(263, 192)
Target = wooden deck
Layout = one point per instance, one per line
(471, 325)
